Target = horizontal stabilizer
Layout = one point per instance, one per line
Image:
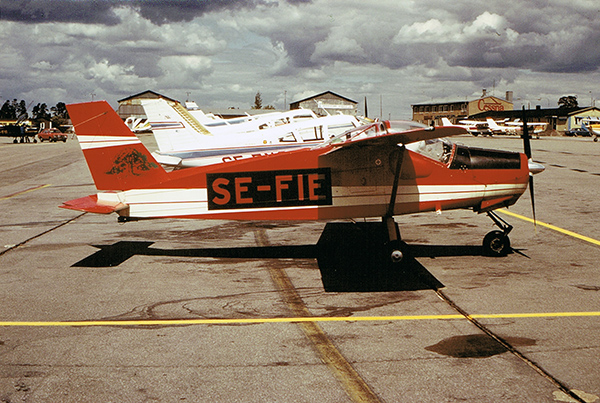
(92, 204)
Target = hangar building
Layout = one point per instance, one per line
(325, 102)
(433, 112)
(132, 106)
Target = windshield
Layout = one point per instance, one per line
(370, 130)
(437, 149)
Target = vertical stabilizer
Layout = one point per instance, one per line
(446, 122)
(492, 124)
(174, 128)
(116, 158)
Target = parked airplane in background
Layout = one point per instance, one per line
(500, 129)
(383, 169)
(515, 127)
(164, 114)
(475, 127)
(20, 130)
(537, 127)
(592, 125)
(185, 142)
(19, 133)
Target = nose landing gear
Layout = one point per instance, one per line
(496, 243)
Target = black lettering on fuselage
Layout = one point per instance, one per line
(260, 189)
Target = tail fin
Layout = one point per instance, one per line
(116, 158)
(446, 122)
(492, 124)
(174, 128)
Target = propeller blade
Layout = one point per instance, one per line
(532, 195)
(526, 138)
(527, 149)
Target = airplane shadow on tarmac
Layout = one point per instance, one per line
(348, 276)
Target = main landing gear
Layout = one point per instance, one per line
(497, 243)
(363, 256)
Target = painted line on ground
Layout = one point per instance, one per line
(353, 384)
(552, 227)
(233, 321)
(24, 191)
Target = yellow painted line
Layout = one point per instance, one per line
(24, 191)
(311, 319)
(355, 386)
(552, 227)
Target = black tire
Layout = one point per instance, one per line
(496, 244)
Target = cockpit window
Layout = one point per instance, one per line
(437, 149)
(370, 130)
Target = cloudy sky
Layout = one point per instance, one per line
(219, 53)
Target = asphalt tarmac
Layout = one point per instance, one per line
(220, 311)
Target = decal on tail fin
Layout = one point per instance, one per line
(116, 158)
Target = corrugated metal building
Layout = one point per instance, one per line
(132, 107)
(325, 102)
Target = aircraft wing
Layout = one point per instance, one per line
(403, 137)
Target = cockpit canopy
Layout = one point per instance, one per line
(436, 149)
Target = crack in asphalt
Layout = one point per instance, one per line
(510, 348)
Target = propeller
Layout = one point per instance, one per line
(534, 167)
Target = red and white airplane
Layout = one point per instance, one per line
(383, 169)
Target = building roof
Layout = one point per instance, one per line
(455, 101)
(534, 113)
(323, 93)
(147, 94)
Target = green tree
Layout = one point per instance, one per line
(257, 101)
(59, 114)
(40, 112)
(21, 110)
(568, 101)
(7, 111)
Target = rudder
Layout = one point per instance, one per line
(116, 158)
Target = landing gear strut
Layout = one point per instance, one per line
(497, 243)
(364, 256)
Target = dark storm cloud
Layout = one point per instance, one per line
(162, 12)
(38, 11)
(102, 11)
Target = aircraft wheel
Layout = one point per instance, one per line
(595, 139)
(496, 243)
(397, 252)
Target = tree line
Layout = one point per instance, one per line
(15, 110)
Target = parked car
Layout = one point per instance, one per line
(52, 134)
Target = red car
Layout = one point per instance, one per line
(52, 134)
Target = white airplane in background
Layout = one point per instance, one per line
(538, 127)
(592, 125)
(475, 127)
(161, 113)
(499, 129)
(185, 142)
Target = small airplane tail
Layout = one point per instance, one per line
(446, 122)
(174, 127)
(492, 124)
(116, 158)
